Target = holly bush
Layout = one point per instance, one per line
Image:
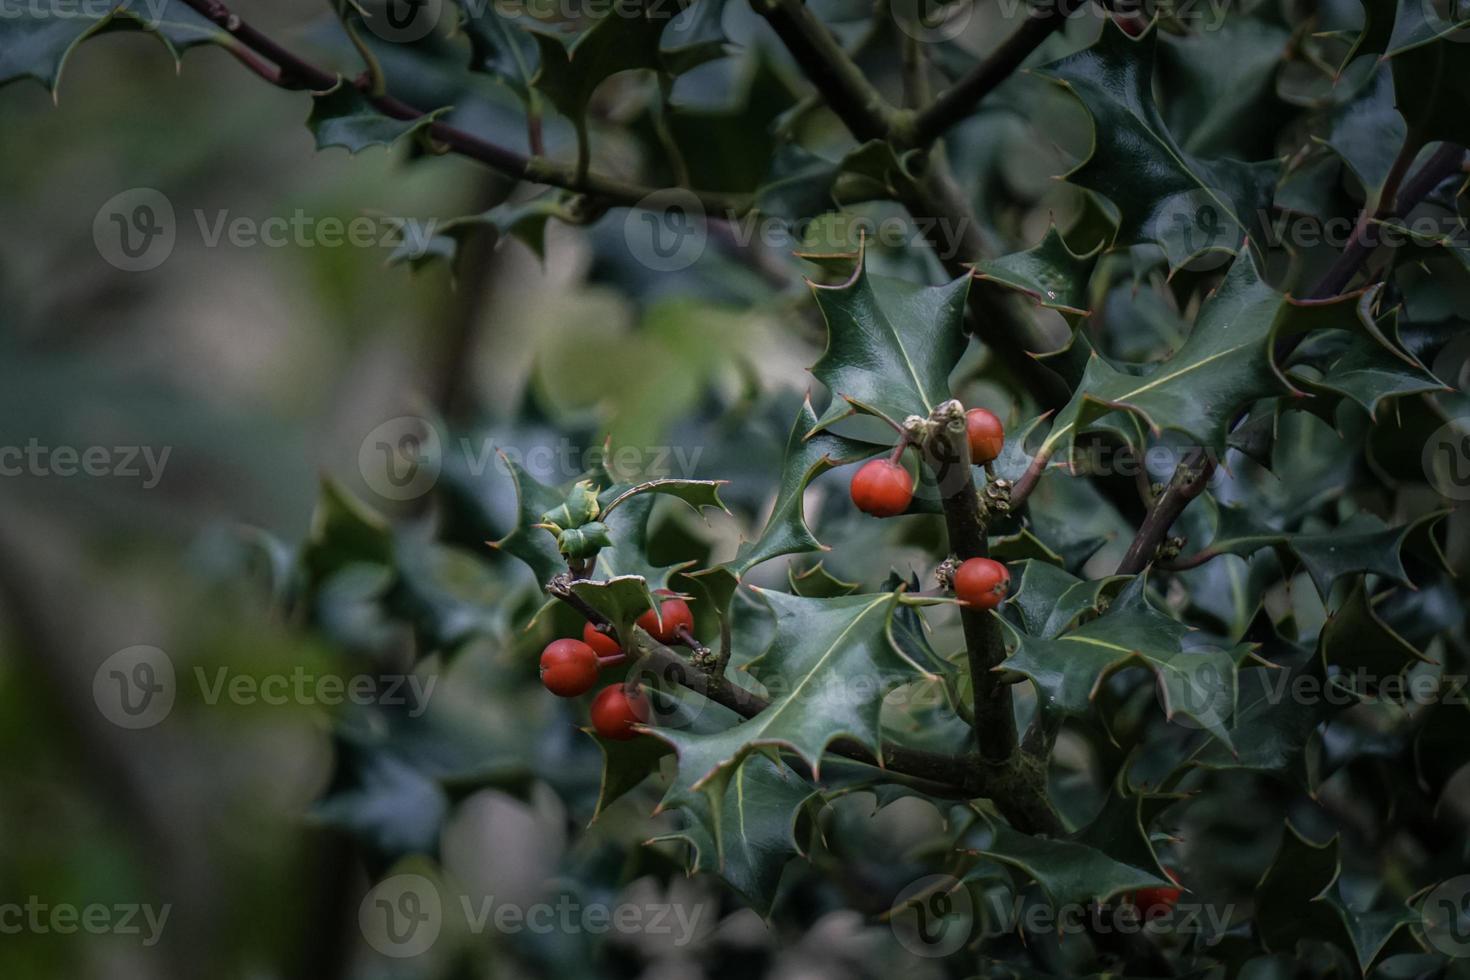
(1173, 684)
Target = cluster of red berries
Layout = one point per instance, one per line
(884, 488)
(569, 667)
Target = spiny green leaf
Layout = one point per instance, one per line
(1225, 365)
(1072, 874)
(698, 494)
(498, 45)
(746, 834)
(615, 43)
(620, 599)
(1049, 272)
(808, 456)
(1198, 684)
(1185, 204)
(38, 45)
(425, 242)
(531, 544)
(1357, 639)
(828, 667)
(343, 116)
(890, 345)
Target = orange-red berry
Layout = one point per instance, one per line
(882, 488)
(981, 582)
(672, 613)
(615, 711)
(602, 644)
(987, 436)
(568, 668)
(1155, 902)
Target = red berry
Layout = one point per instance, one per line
(882, 488)
(674, 613)
(615, 711)
(568, 668)
(987, 435)
(981, 582)
(1154, 902)
(602, 644)
(1133, 25)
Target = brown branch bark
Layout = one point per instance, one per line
(958, 102)
(1190, 478)
(297, 73)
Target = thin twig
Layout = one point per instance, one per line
(958, 102)
(1392, 202)
(297, 73)
(1190, 478)
(841, 82)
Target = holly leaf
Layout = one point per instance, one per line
(615, 43)
(1218, 87)
(531, 544)
(694, 37)
(1068, 670)
(1073, 874)
(342, 116)
(1272, 726)
(891, 345)
(818, 583)
(819, 646)
(809, 454)
(344, 531)
(525, 221)
(1367, 130)
(1426, 56)
(1356, 639)
(1185, 204)
(1296, 899)
(620, 599)
(1290, 897)
(498, 46)
(698, 494)
(38, 46)
(1225, 365)
(1049, 272)
(746, 835)
(1047, 599)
